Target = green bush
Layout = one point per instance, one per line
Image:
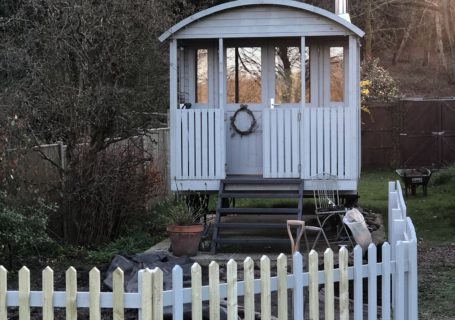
(377, 84)
(443, 176)
(23, 232)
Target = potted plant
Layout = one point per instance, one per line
(184, 228)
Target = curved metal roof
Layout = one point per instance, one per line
(241, 3)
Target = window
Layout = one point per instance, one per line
(243, 75)
(336, 74)
(202, 76)
(287, 75)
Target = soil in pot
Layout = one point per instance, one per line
(185, 239)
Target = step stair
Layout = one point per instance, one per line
(252, 221)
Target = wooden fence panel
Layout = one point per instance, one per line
(329, 301)
(372, 283)
(282, 290)
(95, 290)
(358, 283)
(157, 294)
(248, 280)
(313, 287)
(232, 306)
(344, 284)
(71, 293)
(117, 294)
(196, 292)
(214, 290)
(48, 294)
(24, 293)
(3, 291)
(177, 293)
(266, 312)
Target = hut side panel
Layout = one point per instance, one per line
(262, 21)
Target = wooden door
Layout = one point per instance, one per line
(244, 89)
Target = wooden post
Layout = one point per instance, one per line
(173, 105)
(266, 312)
(71, 293)
(117, 294)
(3, 291)
(232, 306)
(24, 293)
(248, 278)
(48, 294)
(214, 290)
(282, 272)
(95, 289)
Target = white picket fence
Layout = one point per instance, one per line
(397, 273)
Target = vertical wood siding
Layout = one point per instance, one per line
(324, 134)
(199, 144)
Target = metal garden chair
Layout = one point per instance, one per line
(328, 207)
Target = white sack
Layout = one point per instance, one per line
(356, 223)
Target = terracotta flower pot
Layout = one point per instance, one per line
(185, 239)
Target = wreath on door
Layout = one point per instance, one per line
(253, 122)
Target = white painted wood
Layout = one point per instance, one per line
(146, 295)
(287, 156)
(157, 294)
(3, 291)
(24, 293)
(173, 102)
(358, 283)
(214, 291)
(71, 293)
(329, 298)
(386, 281)
(372, 283)
(313, 287)
(267, 142)
(320, 140)
(48, 293)
(297, 293)
(220, 159)
(198, 143)
(211, 148)
(185, 143)
(341, 143)
(306, 138)
(232, 305)
(314, 141)
(191, 143)
(302, 73)
(344, 284)
(282, 290)
(177, 293)
(204, 144)
(333, 141)
(281, 140)
(274, 144)
(296, 117)
(266, 311)
(398, 279)
(248, 278)
(117, 294)
(196, 292)
(177, 161)
(95, 289)
(412, 280)
(327, 140)
(221, 70)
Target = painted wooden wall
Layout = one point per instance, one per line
(261, 21)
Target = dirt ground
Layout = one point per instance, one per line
(436, 281)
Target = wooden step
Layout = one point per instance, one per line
(252, 226)
(261, 181)
(260, 195)
(259, 210)
(247, 241)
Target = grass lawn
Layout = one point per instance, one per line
(434, 219)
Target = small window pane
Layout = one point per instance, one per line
(244, 75)
(307, 76)
(202, 77)
(287, 75)
(337, 74)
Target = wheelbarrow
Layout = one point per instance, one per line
(412, 178)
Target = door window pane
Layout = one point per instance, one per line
(287, 75)
(337, 74)
(243, 75)
(202, 76)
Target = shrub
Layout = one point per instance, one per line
(377, 84)
(23, 232)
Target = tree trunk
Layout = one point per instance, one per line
(446, 11)
(439, 41)
(406, 36)
(368, 30)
